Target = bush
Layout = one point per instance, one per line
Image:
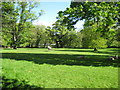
(15, 84)
(92, 38)
(115, 44)
(98, 43)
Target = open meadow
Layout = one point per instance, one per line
(66, 44)
(59, 68)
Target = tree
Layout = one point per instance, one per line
(116, 40)
(59, 31)
(78, 40)
(92, 38)
(18, 17)
(70, 39)
(40, 35)
(8, 22)
(105, 14)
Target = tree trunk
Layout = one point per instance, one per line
(14, 41)
(37, 42)
(95, 49)
(44, 44)
(57, 44)
(14, 47)
(61, 44)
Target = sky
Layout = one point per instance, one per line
(50, 13)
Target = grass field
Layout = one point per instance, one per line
(59, 68)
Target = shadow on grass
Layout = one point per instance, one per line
(112, 51)
(63, 59)
(77, 50)
(15, 84)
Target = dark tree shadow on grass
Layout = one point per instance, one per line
(112, 51)
(75, 50)
(16, 85)
(63, 59)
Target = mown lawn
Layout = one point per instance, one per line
(59, 68)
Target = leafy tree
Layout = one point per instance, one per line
(59, 31)
(78, 40)
(116, 41)
(37, 37)
(98, 43)
(105, 14)
(8, 22)
(62, 36)
(17, 18)
(118, 34)
(92, 38)
(40, 35)
(70, 39)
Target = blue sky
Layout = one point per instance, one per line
(50, 13)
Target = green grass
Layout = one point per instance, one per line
(59, 68)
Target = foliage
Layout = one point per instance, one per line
(100, 27)
(70, 39)
(118, 34)
(94, 12)
(17, 16)
(98, 43)
(115, 43)
(104, 14)
(39, 33)
(92, 38)
(60, 34)
(15, 84)
(60, 31)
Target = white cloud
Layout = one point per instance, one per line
(79, 25)
(40, 22)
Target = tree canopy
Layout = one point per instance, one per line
(100, 28)
(17, 18)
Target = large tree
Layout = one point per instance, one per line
(39, 35)
(92, 38)
(93, 12)
(104, 14)
(17, 18)
(61, 33)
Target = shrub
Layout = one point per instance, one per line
(98, 43)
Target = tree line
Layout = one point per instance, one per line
(100, 28)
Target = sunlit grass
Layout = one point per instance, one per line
(59, 51)
(60, 68)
